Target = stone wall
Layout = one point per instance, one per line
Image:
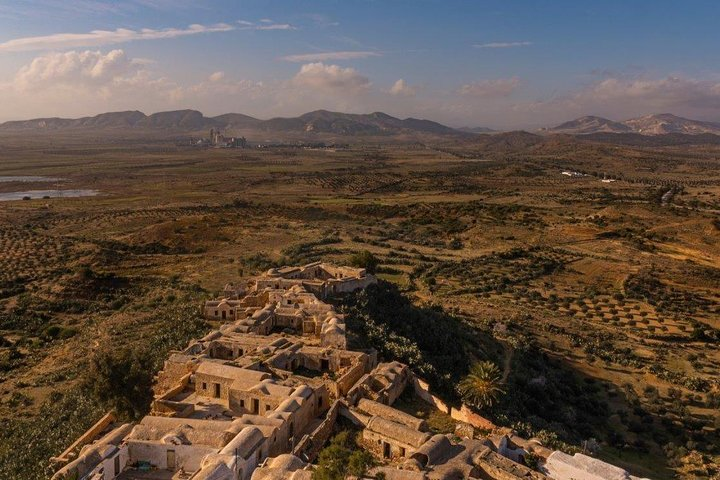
(463, 414)
(186, 456)
(310, 445)
(349, 378)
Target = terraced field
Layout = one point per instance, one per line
(601, 301)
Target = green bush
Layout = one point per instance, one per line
(365, 259)
(341, 458)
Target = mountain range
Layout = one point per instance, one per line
(659, 124)
(323, 122)
(319, 121)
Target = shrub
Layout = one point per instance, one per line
(342, 458)
(364, 259)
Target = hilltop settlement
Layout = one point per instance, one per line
(259, 397)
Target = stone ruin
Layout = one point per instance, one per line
(258, 397)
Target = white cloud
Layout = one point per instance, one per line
(331, 78)
(401, 88)
(77, 83)
(503, 44)
(265, 24)
(276, 26)
(665, 92)
(75, 68)
(502, 87)
(104, 37)
(217, 76)
(325, 56)
(621, 97)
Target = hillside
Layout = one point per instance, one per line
(591, 124)
(659, 124)
(668, 123)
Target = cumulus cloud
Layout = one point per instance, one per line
(325, 56)
(331, 78)
(502, 44)
(76, 68)
(401, 88)
(502, 87)
(622, 97)
(104, 37)
(665, 92)
(82, 82)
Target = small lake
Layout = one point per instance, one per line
(38, 194)
(27, 178)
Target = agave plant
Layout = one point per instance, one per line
(482, 387)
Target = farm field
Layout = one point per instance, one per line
(603, 296)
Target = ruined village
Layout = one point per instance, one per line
(258, 398)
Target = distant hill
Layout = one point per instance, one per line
(180, 119)
(590, 124)
(516, 140)
(377, 123)
(476, 130)
(319, 122)
(236, 120)
(669, 123)
(659, 124)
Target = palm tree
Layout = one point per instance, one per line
(481, 388)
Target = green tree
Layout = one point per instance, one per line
(482, 387)
(341, 458)
(366, 260)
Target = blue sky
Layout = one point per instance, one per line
(502, 64)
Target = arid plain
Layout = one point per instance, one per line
(597, 290)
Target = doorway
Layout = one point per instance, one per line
(171, 459)
(386, 450)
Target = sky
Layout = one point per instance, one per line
(499, 64)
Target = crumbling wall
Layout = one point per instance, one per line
(463, 414)
(310, 445)
(422, 390)
(349, 378)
